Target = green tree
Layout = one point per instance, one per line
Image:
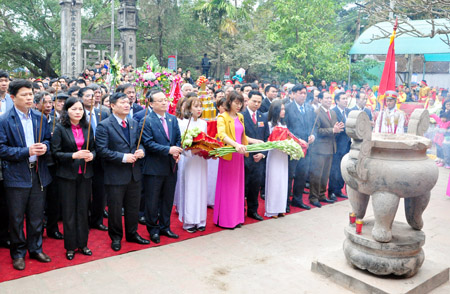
(30, 33)
(306, 31)
(222, 18)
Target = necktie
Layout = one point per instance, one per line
(302, 110)
(254, 118)
(164, 124)
(329, 116)
(124, 124)
(93, 124)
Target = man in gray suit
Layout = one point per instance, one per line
(323, 149)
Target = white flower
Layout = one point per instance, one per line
(149, 76)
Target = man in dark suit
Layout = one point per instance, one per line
(343, 142)
(117, 138)
(25, 173)
(43, 101)
(98, 188)
(130, 91)
(361, 100)
(323, 149)
(256, 128)
(162, 140)
(300, 120)
(271, 93)
(6, 104)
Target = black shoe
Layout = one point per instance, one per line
(305, 192)
(142, 220)
(155, 238)
(191, 230)
(263, 197)
(201, 229)
(316, 204)
(116, 246)
(340, 195)
(100, 227)
(333, 197)
(138, 239)
(105, 213)
(41, 257)
(123, 211)
(86, 251)
(19, 264)
(70, 254)
(300, 205)
(5, 244)
(56, 235)
(307, 185)
(169, 234)
(238, 226)
(325, 200)
(288, 209)
(255, 215)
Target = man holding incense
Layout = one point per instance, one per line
(24, 140)
(117, 142)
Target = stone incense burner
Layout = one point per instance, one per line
(387, 167)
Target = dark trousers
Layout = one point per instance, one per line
(298, 170)
(53, 203)
(98, 201)
(336, 181)
(205, 71)
(29, 202)
(128, 197)
(159, 193)
(4, 218)
(75, 208)
(319, 174)
(253, 177)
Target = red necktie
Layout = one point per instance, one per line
(329, 116)
(124, 124)
(254, 118)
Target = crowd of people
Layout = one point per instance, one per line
(72, 150)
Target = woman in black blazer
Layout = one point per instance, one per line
(74, 172)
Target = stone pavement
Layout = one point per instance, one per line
(273, 256)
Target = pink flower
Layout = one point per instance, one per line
(145, 84)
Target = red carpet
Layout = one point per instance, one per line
(100, 244)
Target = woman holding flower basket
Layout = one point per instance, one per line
(230, 188)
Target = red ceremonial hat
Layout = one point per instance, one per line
(391, 94)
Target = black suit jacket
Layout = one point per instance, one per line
(343, 141)
(112, 145)
(300, 124)
(158, 161)
(265, 105)
(63, 146)
(138, 116)
(259, 131)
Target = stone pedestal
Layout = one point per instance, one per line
(335, 267)
(402, 256)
